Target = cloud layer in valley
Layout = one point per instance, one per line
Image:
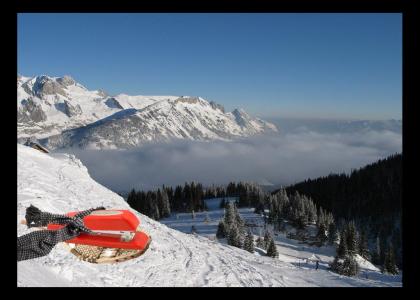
(279, 159)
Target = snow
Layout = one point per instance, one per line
(365, 264)
(140, 102)
(59, 183)
(300, 255)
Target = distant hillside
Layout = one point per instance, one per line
(372, 192)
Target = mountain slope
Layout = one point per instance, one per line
(60, 183)
(63, 113)
(183, 118)
(373, 191)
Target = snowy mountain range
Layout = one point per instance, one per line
(59, 182)
(62, 113)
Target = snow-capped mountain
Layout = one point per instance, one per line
(63, 113)
(48, 105)
(60, 183)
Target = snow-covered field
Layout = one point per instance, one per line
(292, 251)
(59, 183)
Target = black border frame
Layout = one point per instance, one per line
(410, 11)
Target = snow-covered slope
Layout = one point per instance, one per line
(63, 113)
(60, 183)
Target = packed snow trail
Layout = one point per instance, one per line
(59, 183)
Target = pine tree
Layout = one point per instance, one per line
(221, 230)
(350, 266)
(312, 215)
(267, 239)
(177, 201)
(332, 233)
(272, 249)
(131, 199)
(336, 265)
(249, 242)
(329, 218)
(320, 217)
(156, 214)
(260, 243)
(376, 255)
(363, 245)
(342, 250)
(389, 265)
(321, 236)
(234, 238)
(383, 247)
(397, 244)
(239, 221)
(301, 220)
(351, 235)
(229, 215)
(166, 208)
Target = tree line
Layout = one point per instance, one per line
(248, 194)
(370, 196)
(159, 203)
(299, 210)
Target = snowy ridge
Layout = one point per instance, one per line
(60, 183)
(63, 113)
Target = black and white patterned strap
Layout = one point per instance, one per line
(40, 243)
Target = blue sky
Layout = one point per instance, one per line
(286, 65)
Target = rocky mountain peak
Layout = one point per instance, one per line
(66, 80)
(215, 106)
(45, 85)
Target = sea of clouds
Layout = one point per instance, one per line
(277, 159)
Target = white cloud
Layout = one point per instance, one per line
(281, 159)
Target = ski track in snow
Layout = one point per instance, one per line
(60, 183)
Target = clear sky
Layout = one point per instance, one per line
(296, 65)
